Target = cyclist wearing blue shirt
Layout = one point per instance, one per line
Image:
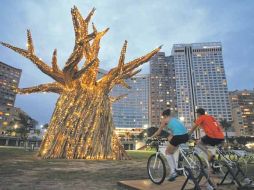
(179, 135)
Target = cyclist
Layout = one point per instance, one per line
(179, 135)
(213, 132)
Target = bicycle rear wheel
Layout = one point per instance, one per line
(156, 169)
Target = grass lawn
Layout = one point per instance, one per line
(20, 169)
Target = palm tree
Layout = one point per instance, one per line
(226, 125)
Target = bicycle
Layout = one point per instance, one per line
(156, 166)
(223, 165)
(241, 155)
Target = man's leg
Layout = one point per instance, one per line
(171, 161)
(203, 145)
(204, 148)
(169, 155)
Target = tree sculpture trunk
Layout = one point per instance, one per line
(81, 125)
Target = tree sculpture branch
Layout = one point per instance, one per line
(29, 53)
(86, 46)
(123, 71)
(50, 87)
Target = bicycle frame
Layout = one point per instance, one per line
(214, 150)
(161, 150)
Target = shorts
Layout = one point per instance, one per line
(211, 141)
(179, 139)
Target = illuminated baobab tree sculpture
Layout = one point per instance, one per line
(81, 126)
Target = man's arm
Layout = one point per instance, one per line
(163, 125)
(195, 126)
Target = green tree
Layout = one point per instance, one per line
(21, 127)
(45, 126)
(37, 131)
(141, 135)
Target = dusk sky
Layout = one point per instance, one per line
(146, 24)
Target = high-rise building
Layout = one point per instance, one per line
(200, 81)
(243, 112)
(133, 110)
(162, 86)
(9, 80)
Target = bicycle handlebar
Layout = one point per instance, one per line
(157, 139)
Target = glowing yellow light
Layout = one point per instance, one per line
(82, 125)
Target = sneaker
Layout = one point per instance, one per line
(209, 187)
(172, 176)
(247, 181)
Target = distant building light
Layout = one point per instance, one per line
(181, 118)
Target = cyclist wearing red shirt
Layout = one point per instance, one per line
(213, 132)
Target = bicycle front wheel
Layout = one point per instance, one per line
(156, 169)
(195, 164)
